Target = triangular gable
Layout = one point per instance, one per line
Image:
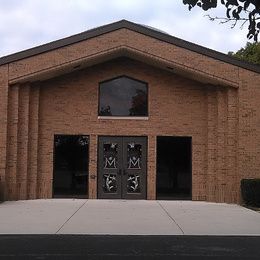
(146, 30)
(125, 39)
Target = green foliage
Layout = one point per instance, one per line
(246, 11)
(250, 53)
(250, 191)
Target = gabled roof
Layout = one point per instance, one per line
(146, 30)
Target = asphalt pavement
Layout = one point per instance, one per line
(68, 247)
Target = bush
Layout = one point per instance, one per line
(250, 190)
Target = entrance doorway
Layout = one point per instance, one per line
(70, 171)
(174, 168)
(122, 167)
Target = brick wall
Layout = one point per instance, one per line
(223, 121)
(249, 125)
(177, 107)
(69, 105)
(3, 127)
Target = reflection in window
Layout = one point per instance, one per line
(123, 96)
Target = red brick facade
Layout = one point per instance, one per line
(190, 94)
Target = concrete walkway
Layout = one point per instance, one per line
(121, 217)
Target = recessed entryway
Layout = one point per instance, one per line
(122, 167)
(70, 169)
(174, 168)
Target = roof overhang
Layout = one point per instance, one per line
(145, 30)
(128, 52)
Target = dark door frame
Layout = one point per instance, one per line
(122, 171)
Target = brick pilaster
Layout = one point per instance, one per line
(3, 127)
(33, 142)
(13, 104)
(151, 168)
(92, 177)
(22, 140)
(211, 143)
(232, 178)
(221, 144)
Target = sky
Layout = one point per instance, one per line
(28, 23)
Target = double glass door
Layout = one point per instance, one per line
(122, 167)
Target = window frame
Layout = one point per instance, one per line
(144, 117)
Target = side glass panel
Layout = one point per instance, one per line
(110, 152)
(70, 171)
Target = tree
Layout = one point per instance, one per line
(243, 11)
(250, 53)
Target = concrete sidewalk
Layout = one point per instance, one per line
(131, 217)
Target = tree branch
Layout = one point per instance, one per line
(248, 9)
(228, 19)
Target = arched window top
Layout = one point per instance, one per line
(123, 96)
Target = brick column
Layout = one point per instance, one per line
(3, 127)
(33, 143)
(221, 144)
(12, 130)
(44, 162)
(232, 178)
(92, 177)
(13, 103)
(151, 168)
(211, 144)
(22, 149)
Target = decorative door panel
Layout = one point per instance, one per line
(122, 167)
(134, 168)
(110, 161)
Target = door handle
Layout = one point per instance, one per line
(124, 172)
(119, 172)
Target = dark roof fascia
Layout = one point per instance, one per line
(61, 42)
(134, 27)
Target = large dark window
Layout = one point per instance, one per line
(174, 167)
(123, 96)
(70, 172)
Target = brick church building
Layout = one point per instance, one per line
(125, 111)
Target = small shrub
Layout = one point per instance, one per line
(250, 190)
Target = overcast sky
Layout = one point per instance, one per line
(28, 23)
